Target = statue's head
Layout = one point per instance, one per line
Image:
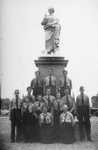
(51, 10)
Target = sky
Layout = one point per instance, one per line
(22, 39)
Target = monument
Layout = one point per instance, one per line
(50, 58)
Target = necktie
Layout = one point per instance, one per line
(65, 115)
(16, 102)
(44, 118)
(68, 103)
(50, 81)
(65, 84)
(37, 82)
(49, 102)
(82, 101)
(58, 105)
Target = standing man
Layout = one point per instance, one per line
(37, 84)
(83, 114)
(69, 101)
(15, 116)
(65, 83)
(50, 82)
(0, 105)
(48, 100)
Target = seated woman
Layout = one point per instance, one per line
(66, 125)
(46, 123)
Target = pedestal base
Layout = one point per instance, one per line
(54, 62)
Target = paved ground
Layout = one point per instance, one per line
(5, 138)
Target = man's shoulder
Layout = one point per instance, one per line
(44, 97)
(13, 99)
(46, 77)
(64, 97)
(41, 114)
(86, 96)
(51, 96)
(61, 78)
(69, 113)
(71, 97)
(53, 77)
(35, 103)
(49, 114)
(78, 97)
(33, 97)
(68, 79)
(33, 79)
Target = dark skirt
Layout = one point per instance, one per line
(36, 126)
(56, 126)
(66, 133)
(27, 125)
(45, 133)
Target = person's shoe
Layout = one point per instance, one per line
(74, 139)
(81, 139)
(12, 141)
(17, 140)
(90, 140)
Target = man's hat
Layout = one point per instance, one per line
(81, 88)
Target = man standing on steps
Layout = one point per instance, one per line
(83, 114)
(37, 84)
(69, 101)
(50, 82)
(65, 83)
(48, 100)
(15, 116)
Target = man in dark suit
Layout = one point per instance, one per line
(37, 84)
(15, 116)
(83, 114)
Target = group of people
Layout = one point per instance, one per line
(48, 115)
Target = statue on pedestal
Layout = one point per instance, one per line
(52, 32)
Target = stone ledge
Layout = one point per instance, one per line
(51, 61)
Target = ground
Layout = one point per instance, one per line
(6, 145)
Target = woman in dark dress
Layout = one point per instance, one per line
(46, 123)
(66, 124)
(27, 123)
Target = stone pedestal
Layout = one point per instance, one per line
(45, 63)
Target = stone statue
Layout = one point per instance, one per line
(52, 32)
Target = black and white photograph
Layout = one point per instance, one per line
(48, 74)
